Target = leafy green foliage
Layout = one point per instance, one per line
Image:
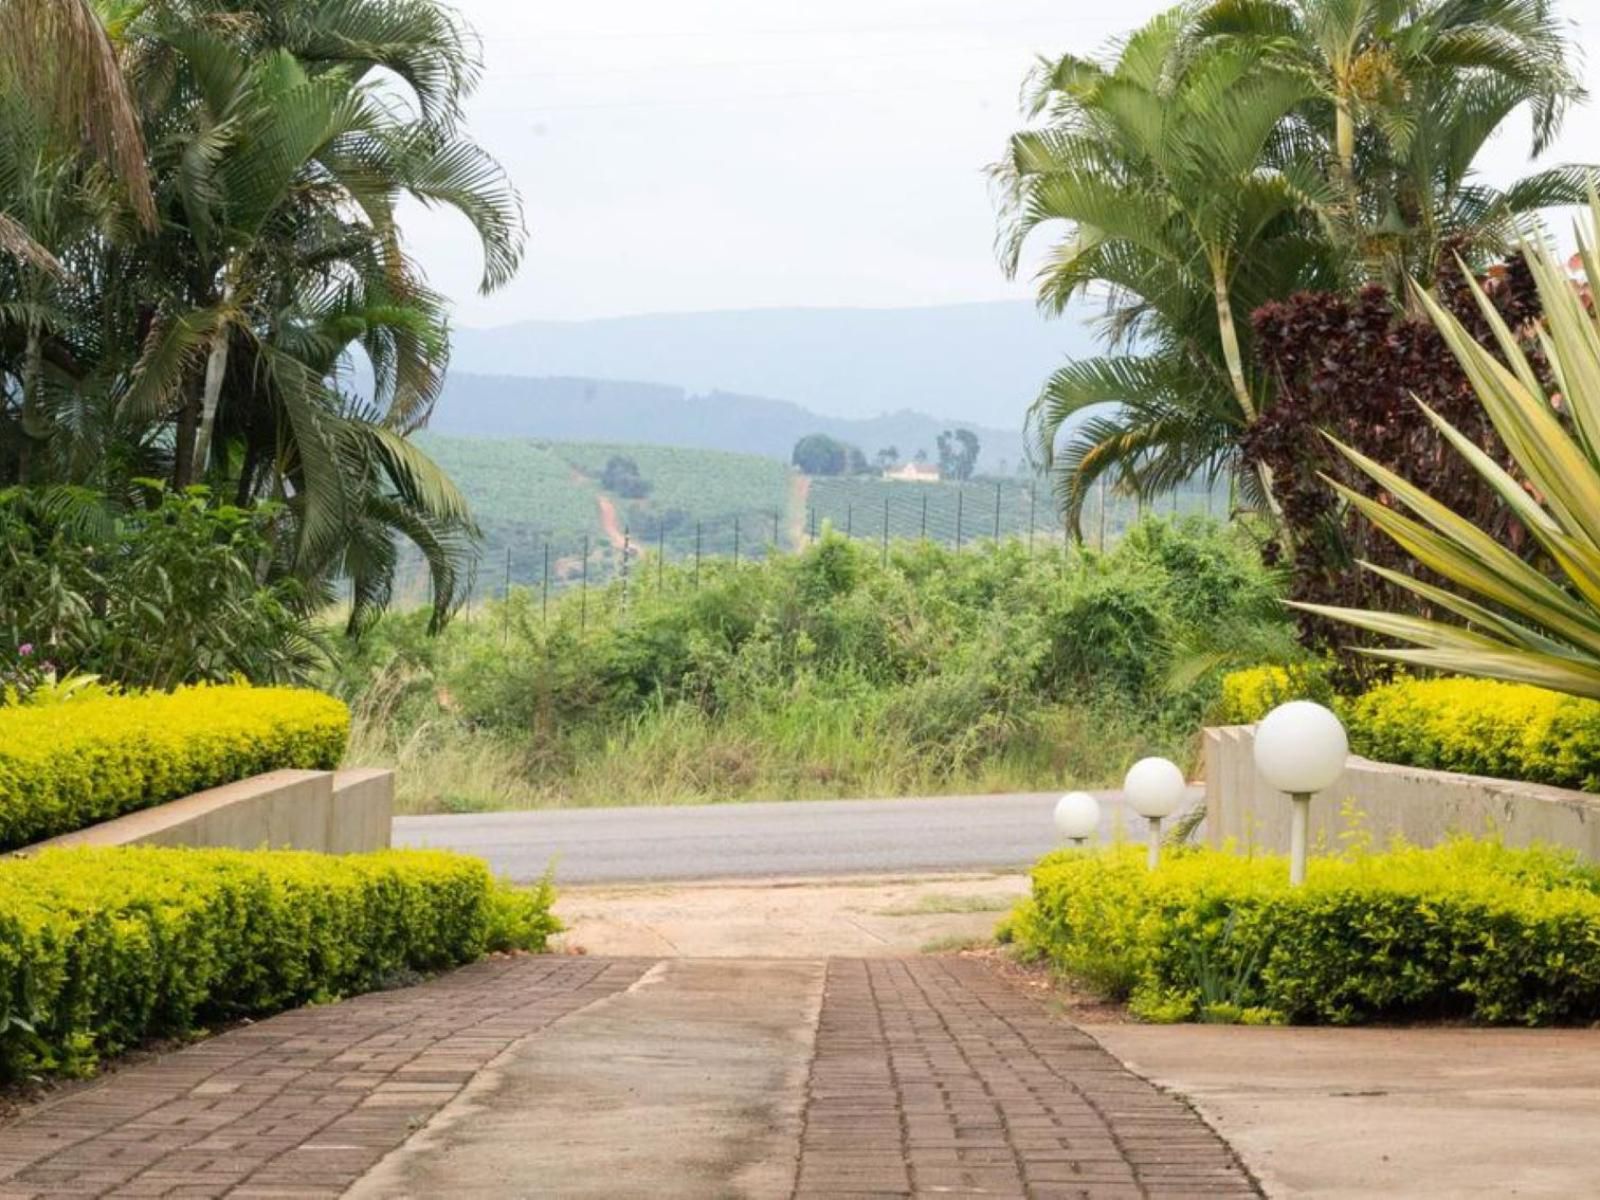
(1468, 929)
(102, 949)
(819, 454)
(68, 765)
(822, 673)
(1474, 726)
(151, 597)
(215, 345)
(1229, 154)
(1523, 621)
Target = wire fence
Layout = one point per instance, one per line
(638, 546)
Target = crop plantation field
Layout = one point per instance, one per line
(537, 499)
(555, 501)
(959, 514)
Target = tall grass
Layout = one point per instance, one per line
(826, 674)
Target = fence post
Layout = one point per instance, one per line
(505, 604)
(813, 524)
(960, 494)
(924, 516)
(697, 556)
(775, 531)
(583, 601)
(997, 514)
(544, 603)
(626, 543)
(886, 531)
(850, 519)
(1032, 499)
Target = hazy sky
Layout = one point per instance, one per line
(681, 155)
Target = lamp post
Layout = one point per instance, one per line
(1300, 749)
(1154, 788)
(1077, 816)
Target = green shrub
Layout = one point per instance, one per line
(1475, 726)
(1251, 694)
(65, 766)
(847, 669)
(1469, 929)
(1481, 727)
(100, 949)
(162, 593)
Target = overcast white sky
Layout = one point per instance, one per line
(683, 155)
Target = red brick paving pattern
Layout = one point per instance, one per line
(301, 1104)
(930, 1077)
(935, 1077)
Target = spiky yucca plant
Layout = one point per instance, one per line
(1520, 623)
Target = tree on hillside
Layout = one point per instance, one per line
(819, 454)
(958, 453)
(888, 456)
(621, 477)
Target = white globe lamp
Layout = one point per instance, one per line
(1154, 787)
(1077, 816)
(1300, 749)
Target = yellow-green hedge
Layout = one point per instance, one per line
(100, 949)
(1249, 695)
(1508, 730)
(1476, 726)
(65, 766)
(1469, 929)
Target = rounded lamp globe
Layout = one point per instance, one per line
(1300, 747)
(1077, 815)
(1154, 787)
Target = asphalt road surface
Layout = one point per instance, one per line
(745, 841)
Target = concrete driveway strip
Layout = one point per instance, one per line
(689, 1084)
(1347, 1113)
(762, 840)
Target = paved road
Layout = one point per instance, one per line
(741, 841)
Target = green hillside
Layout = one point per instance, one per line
(534, 498)
(537, 498)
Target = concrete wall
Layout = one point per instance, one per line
(1424, 807)
(338, 812)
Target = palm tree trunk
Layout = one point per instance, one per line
(1230, 340)
(1241, 389)
(32, 376)
(1344, 136)
(216, 368)
(183, 443)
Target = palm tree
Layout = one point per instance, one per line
(220, 349)
(1189, 201)
(60, 58)
(1237, 151)
(1407, 93)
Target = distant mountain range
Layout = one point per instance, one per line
(977, 363)
(600, 410)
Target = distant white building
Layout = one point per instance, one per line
(913, 472)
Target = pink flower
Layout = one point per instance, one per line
(25, 649)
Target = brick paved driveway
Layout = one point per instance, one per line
(928, 1076)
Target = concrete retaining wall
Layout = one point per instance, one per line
(1424, 807)
(337, 812)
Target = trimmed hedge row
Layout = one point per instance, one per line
(1475, 726)
(1469, 929)
(65, 766)
(101, 949)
